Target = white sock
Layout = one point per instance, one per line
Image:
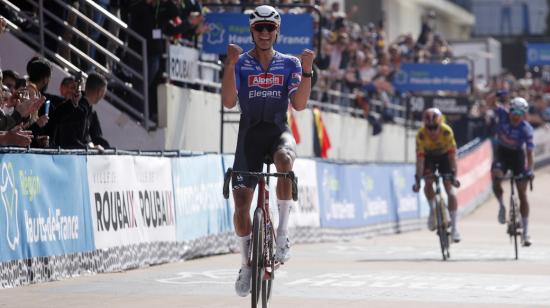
(245, 247)
(284, 211)
(525, 224)
(453, 220)
(500, 202)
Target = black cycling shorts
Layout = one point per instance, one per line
(437, 162)
(508, 159)
(254, 144)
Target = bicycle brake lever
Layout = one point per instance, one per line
(226, 179)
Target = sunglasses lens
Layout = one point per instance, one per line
(431, 127)
(517, 112)
(262, 27)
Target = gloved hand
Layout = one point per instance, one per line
(416, 186)
(529, 175)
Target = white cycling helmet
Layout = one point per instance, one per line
(265, 13)
(519, 104)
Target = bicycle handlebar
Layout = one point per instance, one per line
(287, 175)
(444, 176)
(523, 177)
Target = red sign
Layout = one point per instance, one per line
(474, 174)
(265, 81)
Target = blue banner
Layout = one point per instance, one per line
(46, 210)
(406, 201)
(232, 28)
(200, 207)
(338, 202)
(538, 54)
(432, 77)
(373, 185)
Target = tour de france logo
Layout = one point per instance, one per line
(9, 195)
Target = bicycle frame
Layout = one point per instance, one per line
(442, 222)
(263, 234)
(513, 223)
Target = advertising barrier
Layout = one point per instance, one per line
(200, 208)
(295, 35)
(306, 210)
(104, 213)
(541, 153)
(45, 206)
(474, 174)
(538, 54)
(183, 63)
(131, 200)
(405, 200)
(432, 77)
(337, 205)
(449, 105)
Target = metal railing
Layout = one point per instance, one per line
(68, 41)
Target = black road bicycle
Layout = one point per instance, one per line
(514, 228)
(261, 257)
(440, 211)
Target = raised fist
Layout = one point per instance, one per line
(233, 53)
(306, 58)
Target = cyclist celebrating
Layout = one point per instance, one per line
(514, 141)
(264, 81)
(436, 149)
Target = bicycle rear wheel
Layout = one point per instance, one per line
(257, 256)
(442, 229)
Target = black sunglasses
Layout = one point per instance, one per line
(260, 27)
(432, 127)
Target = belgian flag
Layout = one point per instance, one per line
(321, 140)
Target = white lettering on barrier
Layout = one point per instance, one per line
(407, 204)
(438, 81)
(376, 207)
(239, 39)
(294, 40)
(52, 228)
(198, 198)
(183, 63)
(341, 210)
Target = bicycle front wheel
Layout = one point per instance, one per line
(515, 227)
(257, 256)
(270, 264)
(442, 229)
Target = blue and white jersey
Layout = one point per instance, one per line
(513, 137)
(264, 95)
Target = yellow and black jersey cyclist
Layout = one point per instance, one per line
(436, 150)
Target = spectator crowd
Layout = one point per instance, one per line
(356, 61)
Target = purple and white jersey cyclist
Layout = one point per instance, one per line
(264, 95)
(510, 136)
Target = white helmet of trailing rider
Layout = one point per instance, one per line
(265, 13)
(519, 105)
